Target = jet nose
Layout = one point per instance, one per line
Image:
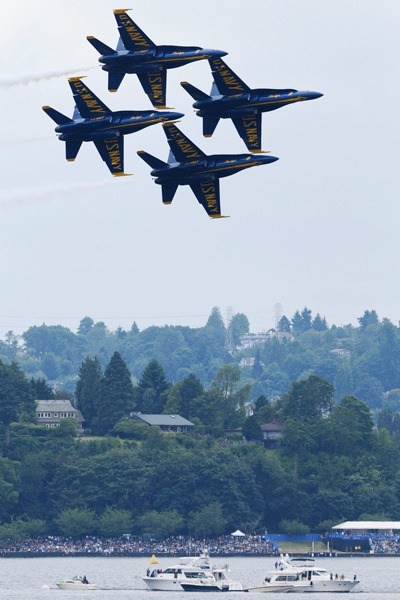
(265, 160)
(172, 116)
(314, 95)
(215, 53)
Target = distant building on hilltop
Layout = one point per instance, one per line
(50, 413)
(164, 422)
(249, 340)
(272, 433)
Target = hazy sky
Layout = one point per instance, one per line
(320, 227)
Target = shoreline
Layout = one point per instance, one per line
(174, 555)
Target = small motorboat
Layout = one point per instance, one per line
(76, 583)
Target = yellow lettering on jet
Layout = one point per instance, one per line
(155, 81)
(184, 144)
(88, 98)
(135, 35)
(112, 148)
(228, 77)
(250, 126)
(210, 197)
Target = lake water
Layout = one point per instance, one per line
(120, 578)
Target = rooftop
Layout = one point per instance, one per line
(170, 420)
(368, 525)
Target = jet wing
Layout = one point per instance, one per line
(228, 83)
(132, 36)
(86, 102)
(154, 84)
(111, 150)
(182, 148)
(249, 129)
(207, 193)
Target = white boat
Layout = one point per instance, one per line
(192, 574)
(76, 583)
(303, 575)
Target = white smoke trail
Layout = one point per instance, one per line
(17, 142)
(27, 78)
(19, 196)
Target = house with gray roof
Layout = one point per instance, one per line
(164, 422)
(50, 413)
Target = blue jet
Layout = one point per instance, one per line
(137, 54)
(231, 98)
(93, 121)
(188, 165)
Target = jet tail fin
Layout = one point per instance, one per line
(169, 191)
(194, 92)
(152, 161)
(57, 117)
(114, 80)
(100, 46)
(71, 149)
(209, 125)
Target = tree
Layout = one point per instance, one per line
(319, 324)
(252, 430)
(116, 395)
(368, 318)
(164, 523)
(297, 323)
(190, 390)
(16, 396)
(284, 324)
(85, 326)
(114, 523)
(87, 389)
(239, 326)
(353, 425)
(306, 319)
(293, 527)
(134, 328)
(216, 323)
(257, 369)
(228, 399)
(208, 521)
(308, 399)
(151, 391)
(41, 390)
(76, 522)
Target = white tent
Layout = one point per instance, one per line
(238, 533)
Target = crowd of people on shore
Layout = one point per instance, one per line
(385, 544)
(128, 545)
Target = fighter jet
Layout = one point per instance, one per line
(136, 53)
(188, 165)
(93, 121)
(231, 98)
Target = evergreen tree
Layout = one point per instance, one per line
(284, 325)
(16, 398)
(297, 323)
(40, 389)
(369, 318)
(134, 328)
(216, 323)
(252, 430)
(190, 391)
(306, 319)
(257, 369)
(151, 392)
(116, 398)
(319, 324)
(87, 389)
